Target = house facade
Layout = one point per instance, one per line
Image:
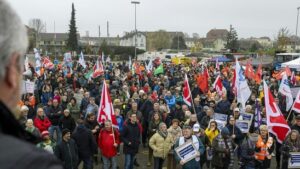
(130, 38)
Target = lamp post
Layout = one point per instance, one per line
(297, 21)
(135, 44)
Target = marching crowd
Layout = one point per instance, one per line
(151, 110)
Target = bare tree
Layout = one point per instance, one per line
(37, 24)
(283, 38)
(39, 27)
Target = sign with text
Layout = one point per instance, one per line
(247, 116)
(294, 160)
(28, 87)
(186, 151)
(243, 125)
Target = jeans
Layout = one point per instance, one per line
(58, 133)
(129, 158)
(107, 161)
(87, 163)
(158, 163)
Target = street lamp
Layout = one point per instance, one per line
(296, 28)
(135, 44)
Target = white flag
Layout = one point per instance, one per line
(242, 89)
(285, 90)
(149, 67)
(82, 61)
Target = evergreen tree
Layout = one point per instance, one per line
(179, 40)
(72, 43)
(232, 40)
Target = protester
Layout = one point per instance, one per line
(74, 109)
(108, 142)
(247, 154)
(212, 131)
(174, 131)
(32, 129)
(264, 148)
(291, 144)
(67, 121)
(223, 146)
(86, 144)
(54, 115)
(67, 151)
(188, 137)
(41, 121)
(131, 139)
(47, 144)
(161, 143)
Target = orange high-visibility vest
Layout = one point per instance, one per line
(261, 155)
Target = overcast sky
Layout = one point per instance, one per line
(249, 17)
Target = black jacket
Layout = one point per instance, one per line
(130, 137)
(17, 150)
(67, 123)
(67, 152)
(54, 115)
(85, 141)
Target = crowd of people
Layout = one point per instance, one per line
(61, 115)
(151, 112)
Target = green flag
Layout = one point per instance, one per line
(159, 70)
(89, 74)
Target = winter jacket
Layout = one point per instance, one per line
(120, 122)
(247, 153)
(205, 121)
(174, 133)
(211, 134)
(42, 123)
(74, 109)
(238, 134)
(170, 101)
(106, 142)
(55, 114)
(34, 131)
(223, 107)
(130, 136)
(67, 152)
(17, 146)
(85, 141)
(67, 123)
(160, 145)
(153, 127)
(91, 109)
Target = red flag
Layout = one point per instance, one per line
(218, 85)
(293, 78)
(258, 74)
(106, 110)
(98, 69)
(286, 70)
(187, 98)
(47, 63)
(202, 81)
(249, 72)
(296, 105)
(276, 123)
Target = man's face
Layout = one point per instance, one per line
(67, 136)
(134, 106)
(133, 118)
(156, 106)
(92, 118)
(29, 124)
(232, 121)
(108, 126)
(187, 133)
(55, 103)
(163, 128)
(40, 112)
(66, 113)
(298, 122)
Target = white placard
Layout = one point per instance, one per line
(28, 87)
(220, 117)
(294, 160)
(247, 116)
(186, 151)
(243, 125)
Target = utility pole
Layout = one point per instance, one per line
(297, 28)
(135, 36)
(107, 29)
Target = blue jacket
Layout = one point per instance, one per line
(170, 101)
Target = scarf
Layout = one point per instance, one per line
(226, 144)
(164, 134)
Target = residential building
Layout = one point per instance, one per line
(217, 34)
(265, 41)
(129, 40)
(190, 42)
(97, 41)
(53, 42)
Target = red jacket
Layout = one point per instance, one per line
(42, 125)
(106, 142)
